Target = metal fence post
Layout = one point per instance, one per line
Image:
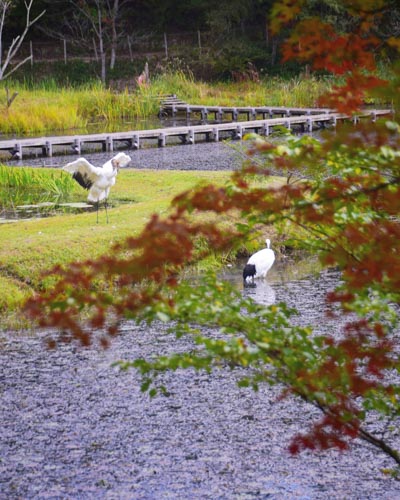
(166, 45)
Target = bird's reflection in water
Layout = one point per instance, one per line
(251, 284)
(262, 292)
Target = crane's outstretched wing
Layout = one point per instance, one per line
(84, 172)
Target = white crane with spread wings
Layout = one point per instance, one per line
(98, 180)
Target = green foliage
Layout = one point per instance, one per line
(234, 57)
(266, 338)
(74, 73)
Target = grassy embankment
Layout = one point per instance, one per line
(29, 247)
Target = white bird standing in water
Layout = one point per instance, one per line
(98, 180)
(259, 264)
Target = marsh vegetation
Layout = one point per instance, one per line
(49, 108)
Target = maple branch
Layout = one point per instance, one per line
(362, 433)
(379, 443)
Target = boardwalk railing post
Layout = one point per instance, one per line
(17, 151)
(215, 134)
(265, 129)
(136, 142)
(47, 149)
(110, 144)
(239, 132)
(76, 146)
(161, 140)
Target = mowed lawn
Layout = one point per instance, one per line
(30, 247)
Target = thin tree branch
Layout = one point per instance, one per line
(17, 41)
(14, 68)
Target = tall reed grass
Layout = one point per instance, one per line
(21, 186)
(48, 108)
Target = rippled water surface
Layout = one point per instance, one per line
(74, 427)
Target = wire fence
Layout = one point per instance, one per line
(132, 46)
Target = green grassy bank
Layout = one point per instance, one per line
(29, 247)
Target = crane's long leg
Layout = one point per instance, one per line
(98, 203)
(106, 205)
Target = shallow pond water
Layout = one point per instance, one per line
(75, 427)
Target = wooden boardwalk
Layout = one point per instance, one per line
(307, 120)
(171, 108)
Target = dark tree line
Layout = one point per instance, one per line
(237, 30)
(175, 15)
(171, 15)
